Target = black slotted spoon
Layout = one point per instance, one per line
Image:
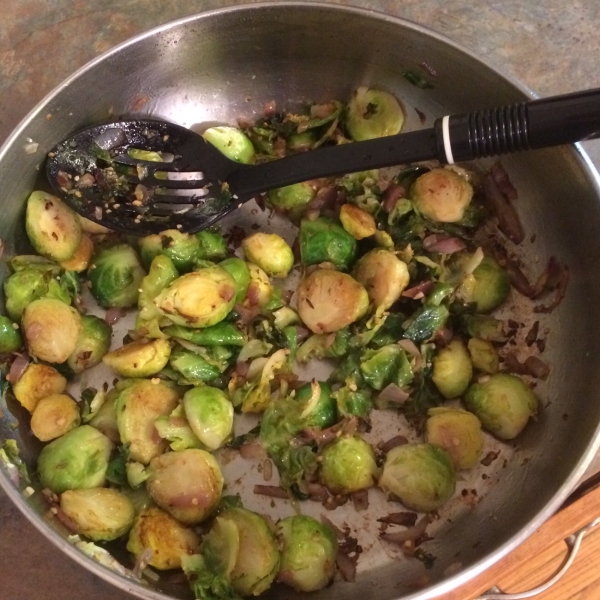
(195, 185)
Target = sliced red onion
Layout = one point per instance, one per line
(518, 280)
(537, 367)
(252, 450)
(302, 334)
(508, 219)
(391, 195)
(326, 196)
(360, 500)
(227, 293)
(502, 180)
(270, 108)
(112, 315)
(419, 290)
(444, 244)
(410, 534)
(272, 491)
(86, 180)
(346, 567)
(111, 138)
(65, 519)
(18, 367)
(320, 111)
(397, 440)
(246, 314)
(404, 518)
(393, 393)
(317, 492)
(241, 368)
(253, 294)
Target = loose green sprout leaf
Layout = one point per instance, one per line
(177, 431)
(193, 368)
(426, 322)
(353, 401)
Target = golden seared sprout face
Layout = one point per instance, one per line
(51, 329)
(52, 227)
(101, 514)
(233, 143)
(421, 476)
(198, 299)
(503, 403)
(80, 260)
(348, 465)
(210, 415)
(259, 291)
(383, 275)
(458, 432)
(78, 459)
(441, 195)
(452, 369)
(140, 358)
(166, 538)
(372, 114)
(139, 403)
(329, 300)
(92, 344)
(54, 416)
(309, 552)
(270, 252)
(37, 382)
(357, 222)
(187, 484)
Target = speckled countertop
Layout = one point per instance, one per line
(550, 45)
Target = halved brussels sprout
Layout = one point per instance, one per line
(325, 240)
(485, 328)
(36, 382)
(52, 227)
(105, 418)
(456, 431)
(76, 460)
(452, 369)
(198, 299)
(140, 358)
(213, 245)
(488, 286)
(320, 409)
(139, 403)
(329, 300)
(92, 227)
(257, 560)
(384, 276)
(182, 248)
(115, 276)
(270, 252)
(80, 260)
(187, 484)
(503, 403)
(101, 514)
(292, 198)
(92, 344)
(357, 222)
(238, 269)
(168, 540)
(233, 143)
(210, 415)
(483, 355)
(10, 337)
(420, 475)
(372, 114)
(308, 555)
(51, 329)
(348, 465)
(260, 290)
(441, 195)
(177, 431)
(54, 416)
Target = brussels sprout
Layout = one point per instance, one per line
(182, 248)
(420, 475)
(238, 269)
(105, 418)
(92, 344)
(458, 432)
(37, 382)
(210, 415)
(212, 245)
(139, 403)
(221, 334)
(101, 514)
(384, 276)
(488, 286)
(51, 329)
(484, 327)
(324, 240)
(503, 403)
(388, 364)
(231, 142)
(309, 553)
(187, 484)
(193, 368)
(177, 431)
(357, 222)
(426, 321)
(167, 539)
(383, 239)
(260, 290)
(320, 409)
(441, 195)
(115, 276)
(54, 416)
(372, 114)
(348, 465)
(91, 227)
(198, 299)
(270, 252)
(352, 401)
(452, 369)
(320, 345)
(483, 355)
(22, 288)
(329, 300)
(76, 460)
(140, 358)
(81, 258)
(292, 198)
(10, 337)
(52, 227)
(257, 560)
(298, 142)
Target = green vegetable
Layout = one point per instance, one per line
(325, 240)
(292, 198)
(373, 114)
(141, 358)
(452, 369)
(238, 269)
(353, 401)
(193, 368)
(231, 142)
(182, 248)
(221, 334)
(488, 286)
(270, 252)
(426, 322)
(319, 407)
(483, 355)
(10, 337)
(92, 344)
(212, 245)
(386, 365)
(22, 288)
(210, 415)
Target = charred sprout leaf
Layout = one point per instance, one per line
(325, 240)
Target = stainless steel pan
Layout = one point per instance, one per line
(225, 64)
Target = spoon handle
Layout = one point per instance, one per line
(535, 124)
